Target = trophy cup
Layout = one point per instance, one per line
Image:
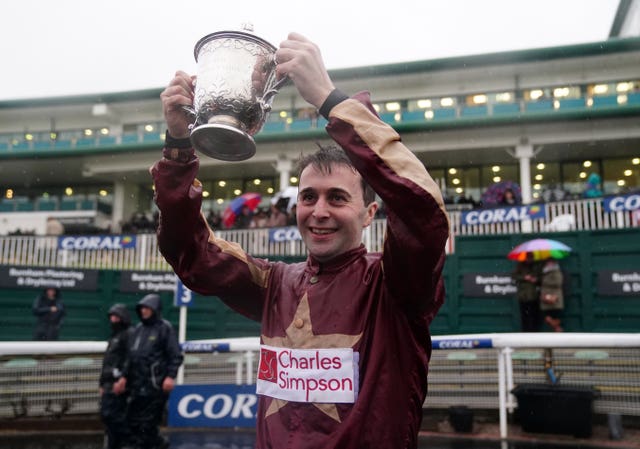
(235, 85)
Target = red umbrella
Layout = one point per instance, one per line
(249, 199)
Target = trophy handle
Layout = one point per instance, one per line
(191, 112)
(265, 101)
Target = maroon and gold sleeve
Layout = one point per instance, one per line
(417, 223)
(205, 263)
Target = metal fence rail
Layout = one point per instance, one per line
(65, 379)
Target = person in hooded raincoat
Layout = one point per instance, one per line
(115, 364)
(154, 359)
(49, 311)
(527, 278)
(551, 294)
(592, 186)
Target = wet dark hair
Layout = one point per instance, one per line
(327, 156)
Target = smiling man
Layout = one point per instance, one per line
(345, 334)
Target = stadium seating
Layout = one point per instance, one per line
(444, 113)
(538, 106)
(474, 111)
(571, 103)
(413, 116)
(274, 127)
(506, 108)
(605, 101)
(107, 140)
(300, 125)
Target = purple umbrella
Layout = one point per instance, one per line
(494, 194)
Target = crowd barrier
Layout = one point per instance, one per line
(479, 371)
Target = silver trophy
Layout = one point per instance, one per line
(236, 83)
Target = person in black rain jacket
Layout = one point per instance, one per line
(115, 363)
(154, 359)
(49, 311)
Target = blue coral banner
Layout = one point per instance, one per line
(287, 234)
(95, 242)
(621, 203)
(213, 406)
(503, 215)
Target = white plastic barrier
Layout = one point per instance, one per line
(609, 361)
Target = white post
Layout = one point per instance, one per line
(620, 224)
(182, 337)
(509, 376)
(284, 165)
(366, 238)
(524, 153)
(502, 393)
(239, 367)
(249, 356)
(142, 242)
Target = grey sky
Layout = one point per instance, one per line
(68, 47)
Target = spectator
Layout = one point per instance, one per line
(509, 198)
(141, 223)
(469, 199)
(554, 193)
(551, 294)
(527, 278)
(50, 312)
(155, 220)
(54, 226)
(278, 216)
(154, 359)
(243, 221)
(592, 186)
(291, 217)
(259, 219)
(113, 396)
(214, 219)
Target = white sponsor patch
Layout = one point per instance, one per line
(308, 375)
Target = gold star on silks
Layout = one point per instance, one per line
(299, 335)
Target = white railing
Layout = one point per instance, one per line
(560, 216)
(481, 370)
(478, 370)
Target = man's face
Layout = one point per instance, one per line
(51, 293)
(331, 212)
(114, 318)
(145, 312)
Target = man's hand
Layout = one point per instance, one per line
(178, 93)
(120, 386)
(300, 60)
(167, 384)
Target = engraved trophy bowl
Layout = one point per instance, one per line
(235, 85)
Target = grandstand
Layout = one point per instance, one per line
(545, 118)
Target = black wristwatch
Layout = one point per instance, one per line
(172, 142)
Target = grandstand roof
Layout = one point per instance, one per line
(610, 46)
